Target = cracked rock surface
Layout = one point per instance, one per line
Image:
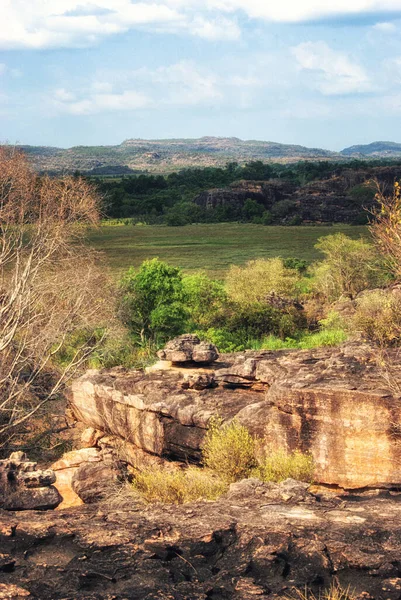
(260, 540)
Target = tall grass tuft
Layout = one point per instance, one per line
(278, 465)
(229, 450)
(335, 592)
(179, 487)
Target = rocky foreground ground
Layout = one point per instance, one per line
(101, 541)
(259, 541)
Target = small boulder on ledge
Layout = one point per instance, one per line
(24, 487)
(188, 348)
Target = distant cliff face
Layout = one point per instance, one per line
(330, 200)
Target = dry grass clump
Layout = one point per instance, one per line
(378, 317)
(279, 465)
(179, 487)
(229, 450)
(230, 453)
(335, 592)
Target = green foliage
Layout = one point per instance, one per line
(332, 332)
(151, 301)
(267, 218)
(74, 341)
(257, 319)
(225, 340)
(169, 199)
(282, 209)
(259, 278)
(229, 450)
(350, 266)
(298, 264)
(363, 194)
(179, 487)
(112, 350)
(204, 298)
(252, 209)
(278, 465)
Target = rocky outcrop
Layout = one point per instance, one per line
(188, 348)
(86, 475)
(335, 403)
(328, 200)
(259, 541)
(25, 487)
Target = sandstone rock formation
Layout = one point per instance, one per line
(259, 541)
(188, 348)
(335, 403)
(85, 475)
(24, 487)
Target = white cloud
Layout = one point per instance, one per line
(220, 28)
(335, 73)
(182, 84)
(36, 24)
(98, 103)
(385, 27)
(292, 11)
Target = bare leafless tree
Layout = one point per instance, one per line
(50, 285)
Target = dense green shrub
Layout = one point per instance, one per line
(151, 302)
(258, 278)
(204, 298)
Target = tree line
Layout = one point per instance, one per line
(168, 199)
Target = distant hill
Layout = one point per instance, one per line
(163, 156)
(374, 150)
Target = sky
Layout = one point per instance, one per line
(311, 72)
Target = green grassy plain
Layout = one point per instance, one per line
(210, 247)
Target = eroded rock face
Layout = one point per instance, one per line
(188, 348)
(258, 541)
(24, 487)
(332, 402)
(86, 475)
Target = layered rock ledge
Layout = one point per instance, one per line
(339, 404)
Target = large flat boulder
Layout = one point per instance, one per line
(338, 404)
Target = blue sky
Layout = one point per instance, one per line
(309, 72)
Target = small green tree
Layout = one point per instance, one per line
(252, 209)
(349, 267)
(151, 301)
(259, 278)
(205, 299)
